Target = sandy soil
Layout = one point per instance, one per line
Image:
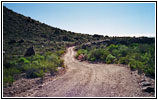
(83, 79)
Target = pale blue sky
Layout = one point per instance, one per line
(113, 19)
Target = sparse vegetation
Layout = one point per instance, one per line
(50, 43)
(34, 66)
(138, 55)
(21, 33)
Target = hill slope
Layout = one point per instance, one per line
(21, 33)
(17, 27)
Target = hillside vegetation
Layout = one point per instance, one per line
(138, 53)
(49, 44)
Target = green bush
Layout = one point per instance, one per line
(34, 73)
(40, 65)
(97, 55)
(115, 52)
(123, 50)
(60, 52)
(149, 71)
(8, 80)
(53, 58)
(140, 56)
(110, 59)
(81, 51)
(123, 60)
(37, 57)
(92, 56)
(104, 54)
(11, 71)
(9, 64)
(112, 47)
(10, 75)
(39, 73)
(34, 66)
(23, 60)
(31, 73)
(92, 59)
(134, 64)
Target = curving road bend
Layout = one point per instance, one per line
(83, 79)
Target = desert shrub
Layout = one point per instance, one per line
(60, 52)
(92, 59)
(37, 57)
(11, 71)
(132, 64)
(31, 73)
(135, 52)
(150, 71)
(135, 64)
(104, 55)
(34, 66)
(98, 55)
(23, 60)
(36, 69)
(41, 64)
(94, 55)
(8, 80)
(116, 53)
(34, 72)
(112, 47)
(123, 60)
(82, 51)
(61, 63)
(10, 64)
(123, 50)
(39, 73)
(110, 59)
(10, 75)
(53, 58)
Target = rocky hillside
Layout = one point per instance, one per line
(24, 37)
(20, 32)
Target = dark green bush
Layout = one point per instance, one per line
(11, 71)
(60, 52)
(61, 63)
(10, 64)
(112, 47)
(10, 75)
(104, 54)
(137, 55)
(34, 73)
(135, 64)
(98, 55)
(110, 59)
(124, 60)
(34, 66)
(123, 50)
(81, 51)
(8, 80)
(37, 57)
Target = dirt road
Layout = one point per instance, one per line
(83, 79)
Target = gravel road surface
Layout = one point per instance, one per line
(84, 79)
